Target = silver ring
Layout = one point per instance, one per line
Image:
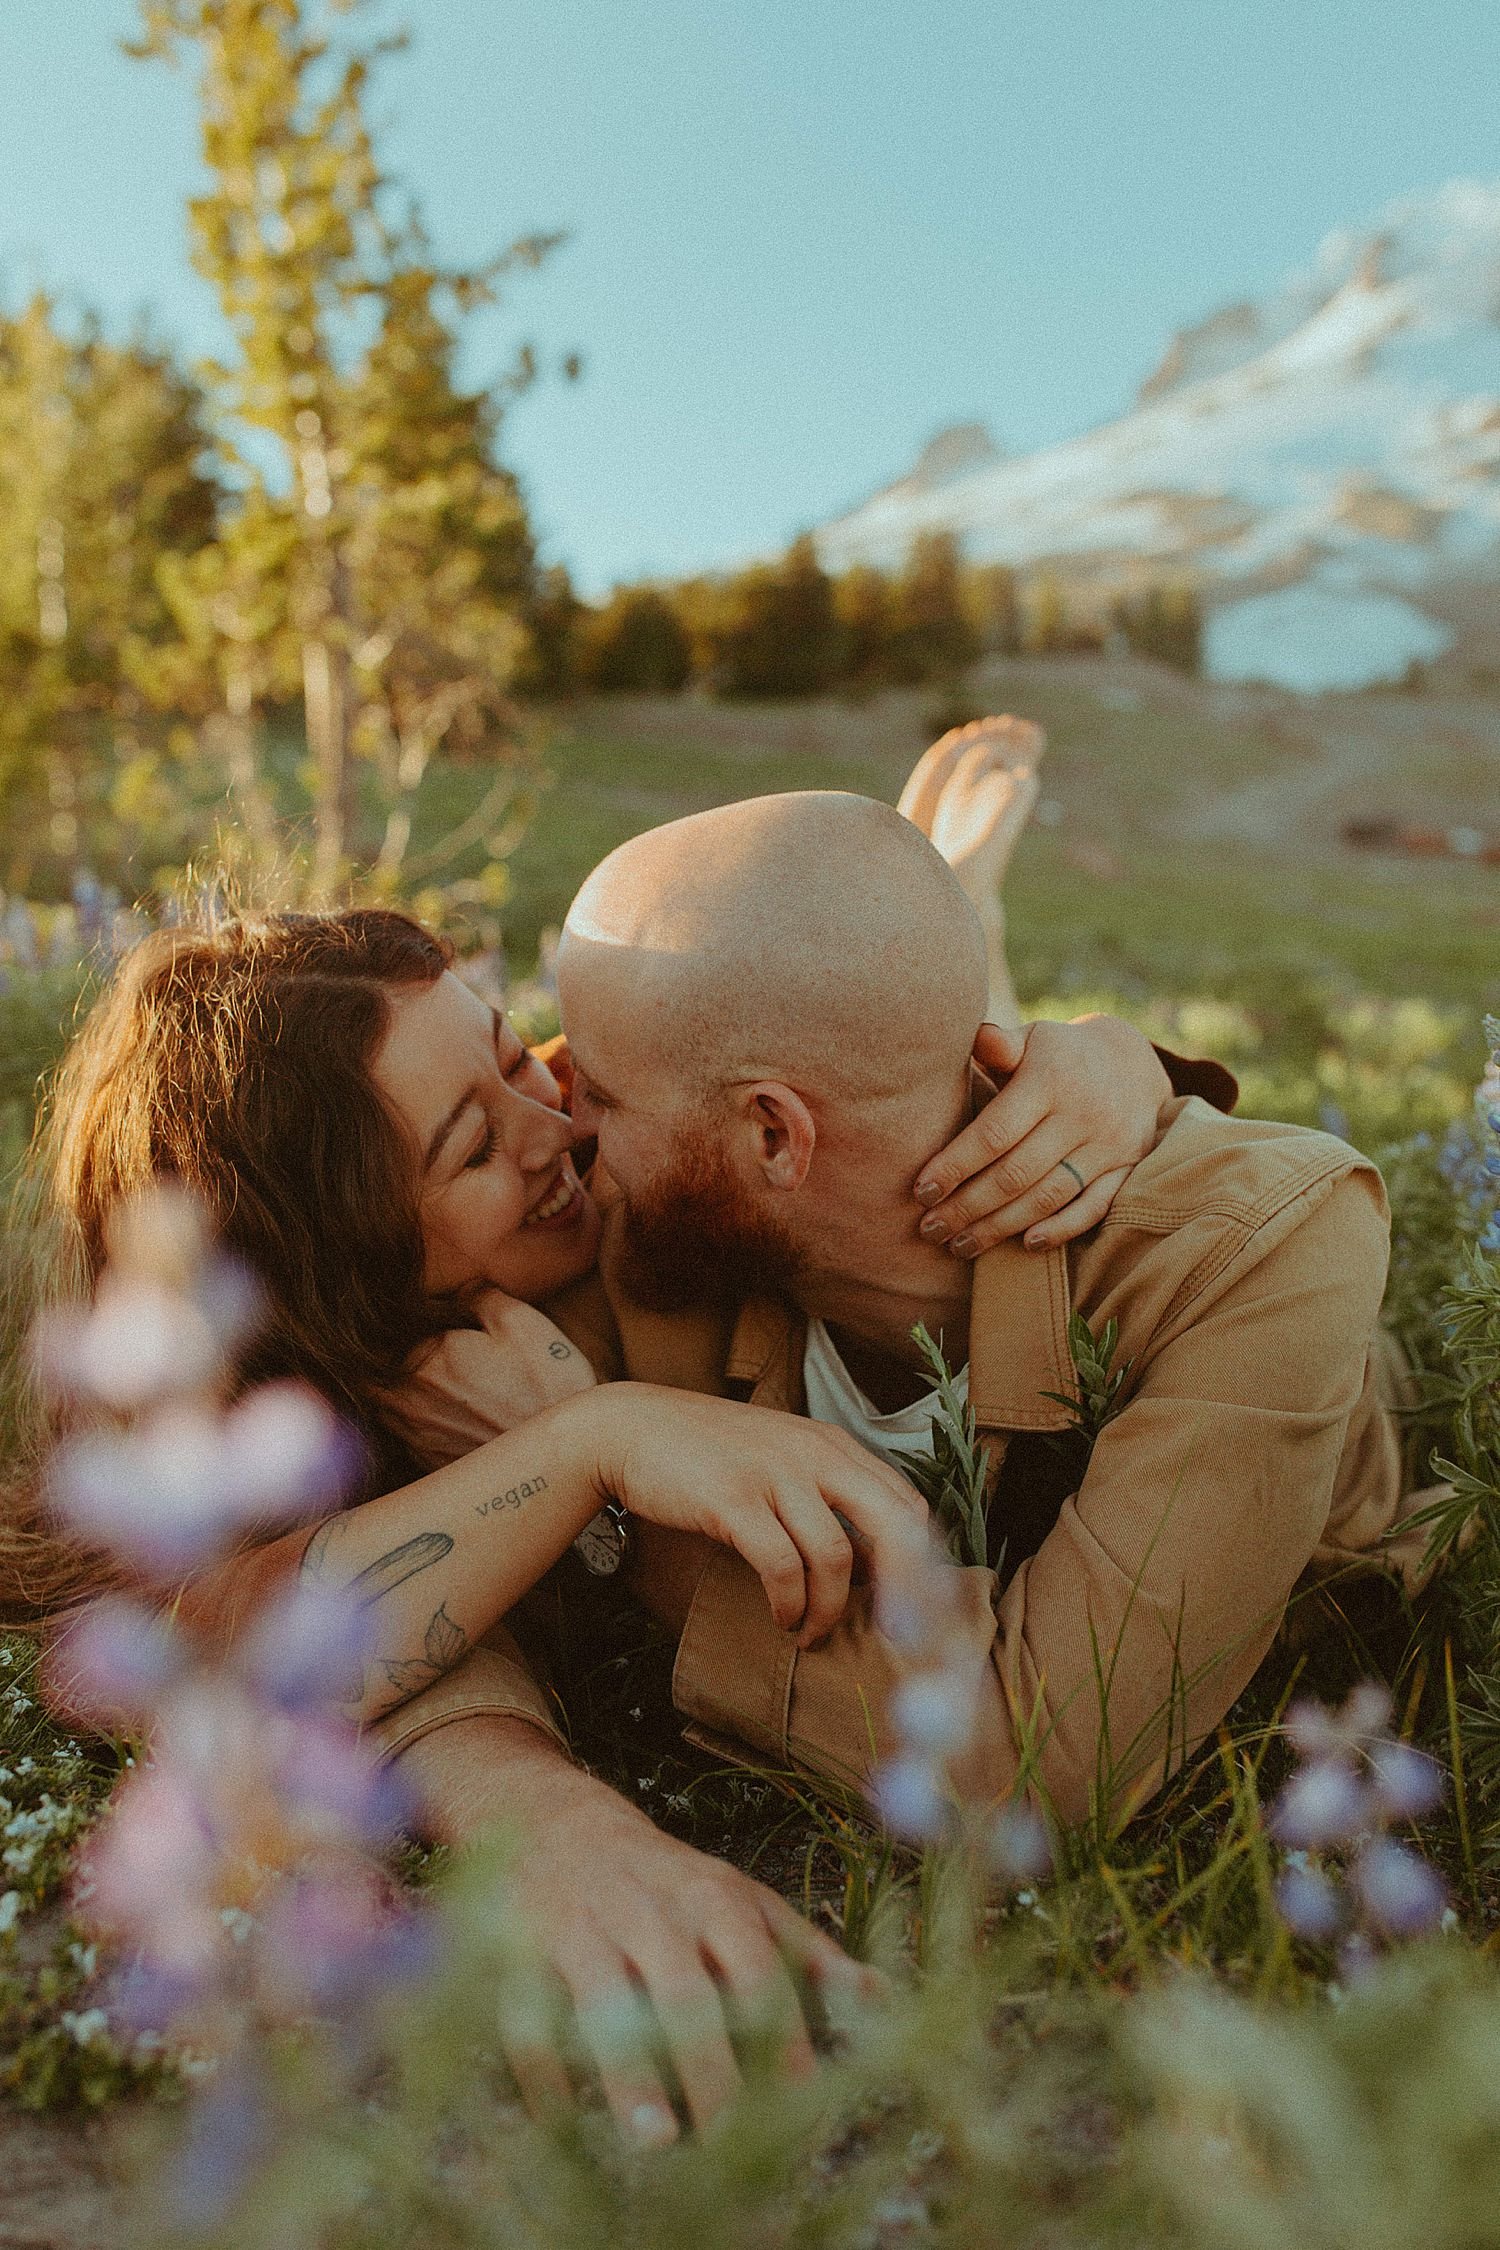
(1073, 1168)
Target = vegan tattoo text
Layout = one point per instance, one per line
(512, 1498)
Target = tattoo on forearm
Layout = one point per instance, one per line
(443, 1644)
(387, 1572)
(513, 1498)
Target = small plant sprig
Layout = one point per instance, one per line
(953, 1481)
(1097, 1397)
(1468, 1323)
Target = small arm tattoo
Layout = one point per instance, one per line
(442, 1646)
(513, 1498)
(384, 1574)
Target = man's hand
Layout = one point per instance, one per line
(792, 1496)
(1080, 1105)
(653, 1943)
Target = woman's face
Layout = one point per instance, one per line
(500, 1202)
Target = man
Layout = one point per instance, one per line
(770, 1009)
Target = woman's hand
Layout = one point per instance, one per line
(474, 1383)
(1079, 1106)
(794, 1498)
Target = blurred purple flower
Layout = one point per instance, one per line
(910, 1800)
(287, 1452)
(183, 1482)
(331, 1942)
(932, 1712)
(330, 1781)
(1309, 1904)
(306, 1649)
(1019, 1849)
(1401, 1895)
(1316, 1732)
(136, 1343)
(148, 1874)
(1325, 1803)
(229, 2130)
(1407, 1784)
(115, 1663)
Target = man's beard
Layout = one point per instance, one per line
(694, 1237)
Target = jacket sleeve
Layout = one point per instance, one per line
(1123, 1641)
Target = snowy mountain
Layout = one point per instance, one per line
(1325, 464)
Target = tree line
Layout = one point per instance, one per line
(789, 628)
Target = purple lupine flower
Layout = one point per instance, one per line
(116, 1661)
(332, 1940)
(1018, 1847)
(229, 2130)
(1322, 1804)
(1309, 1904)
(910, 1800)
(1407, 1784)
(178, 1486)
(329, 1781)
(1316, 1732)
(136, 1343)
(306, 1649)
(933, 1712)
(1401, 1894)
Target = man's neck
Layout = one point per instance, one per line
(871, 1321)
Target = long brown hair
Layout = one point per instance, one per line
(236, 1060)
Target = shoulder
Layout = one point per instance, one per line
(1244, 1171)
(1224, 1204)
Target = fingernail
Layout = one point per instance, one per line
(652, 2126)
(963, 1246)
(929, 1192)
(933, 1227)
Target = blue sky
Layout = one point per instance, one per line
(805, 233)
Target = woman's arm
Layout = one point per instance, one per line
(437, 1563)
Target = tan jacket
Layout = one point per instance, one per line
(1141, 1582)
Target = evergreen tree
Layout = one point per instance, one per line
(1048, 629)
(779, 633)
(380, 549)
(995, 605)
(103, 463)
(862, 605)
(932, 635)
(554, 618)
(636, 643)
(1164, 624)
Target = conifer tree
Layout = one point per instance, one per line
(779, 633)
(380, 556)
(862, 605)
(635, 643)
(932, 635)
(105, 476)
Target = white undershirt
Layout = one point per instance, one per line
(834, 1396)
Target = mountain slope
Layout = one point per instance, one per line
(1325, 463)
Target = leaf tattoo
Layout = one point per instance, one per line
(443, 1644)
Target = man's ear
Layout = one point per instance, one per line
(781, 1131)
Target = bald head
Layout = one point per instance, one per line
(813, 938)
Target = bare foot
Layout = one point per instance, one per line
(972, 793)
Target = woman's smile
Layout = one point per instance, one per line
(562, 1206)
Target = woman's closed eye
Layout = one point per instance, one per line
(483, 1150)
